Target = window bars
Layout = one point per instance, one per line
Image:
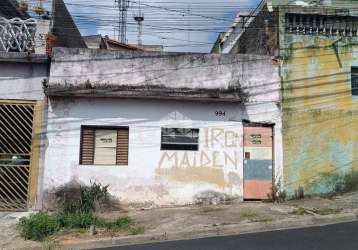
(180, 139)
(354, 81)
(328, 25)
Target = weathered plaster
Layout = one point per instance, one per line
(150, 91)
(319, 112)
(21, 76)
(154, 176)
(85, 72)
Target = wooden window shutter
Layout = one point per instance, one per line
(87, 146)
(122, 146)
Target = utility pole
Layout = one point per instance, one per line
(123, 6)
(139, 18)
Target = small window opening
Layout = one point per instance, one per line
(354, 80)
(180, 139)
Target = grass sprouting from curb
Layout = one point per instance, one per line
(124, 223)
(326, 211)
(299, 211)
(135, 230)
(248, 215)
(253, 217)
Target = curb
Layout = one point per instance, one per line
(226, 230)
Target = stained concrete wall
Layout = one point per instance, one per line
(153, 176)
(319, 112)
(21, 76)
(86, 72)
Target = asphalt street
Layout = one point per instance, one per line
(334, 237)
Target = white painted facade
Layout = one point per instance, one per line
(81, 79)
(20, 80)
(154, 176)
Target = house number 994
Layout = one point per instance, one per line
(220, 113)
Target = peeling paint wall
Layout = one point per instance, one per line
(86, 72)
(320, 116)
(153, 176)
(218, 158)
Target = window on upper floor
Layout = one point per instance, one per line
(180, 139)
(354, 80)
(311, 24)
(104, 146)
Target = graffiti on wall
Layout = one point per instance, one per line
(218, 149)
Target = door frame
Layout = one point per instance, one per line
(247, 123)
(33, 181)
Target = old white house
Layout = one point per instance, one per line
(163, 129)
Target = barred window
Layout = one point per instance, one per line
(311, 24)
(354, 80)
(104, 146)
(180, 139)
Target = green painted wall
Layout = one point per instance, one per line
(320, 116)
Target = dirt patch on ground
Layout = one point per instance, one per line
(202, 217)
(168, 221)
(9, 237)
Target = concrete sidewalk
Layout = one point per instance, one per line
(9, 237)
(199, 221)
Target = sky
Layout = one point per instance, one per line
(178, 25)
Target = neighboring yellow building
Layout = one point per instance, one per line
(316, 44)
(318, 48)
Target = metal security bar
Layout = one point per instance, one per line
(328, 25)
(180, 139)
(354, 80)
(16, 125)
